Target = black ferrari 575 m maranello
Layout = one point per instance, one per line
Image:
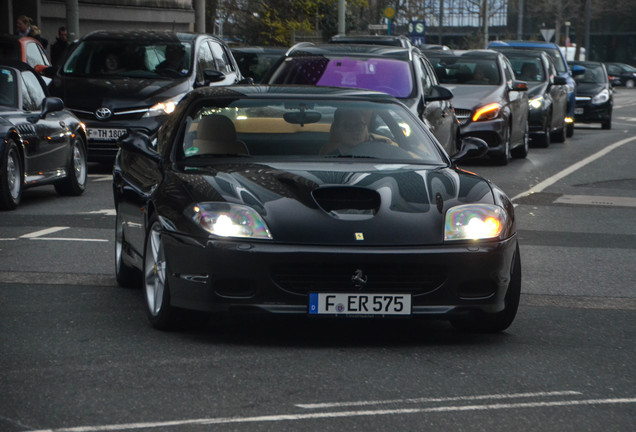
(317, 201)
(40, 142)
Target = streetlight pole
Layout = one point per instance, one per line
(567, 38)
(341, 17)
(72, 20)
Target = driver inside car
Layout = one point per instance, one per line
(349, 129)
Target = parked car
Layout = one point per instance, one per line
(547, 95)
(388, 40)
(115, 81)
(253, 200)
(621, 74)
(255, 62)
(560, 62)
(25, 49)
(42, 143)
(401, 72)
(594, 96)
(489, 101)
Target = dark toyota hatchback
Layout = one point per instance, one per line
(116, 81)
(594, 95)
(313, 201)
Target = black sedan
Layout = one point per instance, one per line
(621, 74)
(312, 201)
(120, 80)
(547, 93)
(42, 143)
(594, 97)
(402, 72)
(489, 101)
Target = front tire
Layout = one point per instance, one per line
(75, 182)
(161, 314)
(520, 152)
(569, 130)
(11, 177)
(500, 321)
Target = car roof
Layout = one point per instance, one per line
(260, 49)
(147, 35)
(290, 91)
(21, 66)
(522, 43)
(304, 48)
(389, 40)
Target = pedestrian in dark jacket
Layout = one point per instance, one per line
(58, 49)
(25, 27)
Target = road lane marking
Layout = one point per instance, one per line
(70, 239)
(43, 232)
(572, 168)
(444, 399)
(341, 414)
(100, 177)
(610, 201)
(105, 212)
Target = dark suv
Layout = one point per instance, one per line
(401, 72)
(115, 81)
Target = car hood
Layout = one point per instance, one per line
(336, 203)
(589, 89)
(120, 93)
(472, 96)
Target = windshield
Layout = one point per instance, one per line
(386, 75)
(528, 68)
(594, 73)
(559, 64)
(130, 59)
(306, 130)
(460, 70)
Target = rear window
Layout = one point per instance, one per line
(386, 75)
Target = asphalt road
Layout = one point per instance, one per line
(77, 353)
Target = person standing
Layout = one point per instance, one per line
(58, 49)
(25, 27)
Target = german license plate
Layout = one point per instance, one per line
(104, 134)
(359, 304)
(578, 110)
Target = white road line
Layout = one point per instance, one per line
(445, 399)
(43, 232)
(340, 414)
(106, 212)
(70, 239)
(572, 168)
(100, 177)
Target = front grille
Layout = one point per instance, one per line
(463, 115)
(117, 115)
(411, 278)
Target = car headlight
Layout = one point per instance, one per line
(474, 222)
(536, 102)
(229, 220)
(164, 107)
(487, 112)
(601, 97)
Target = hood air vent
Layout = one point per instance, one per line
(348, 202)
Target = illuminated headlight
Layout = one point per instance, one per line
(487, 112)
(536, 102)
(229, 220)
(163, 108)
(601, 97)
(474, 222)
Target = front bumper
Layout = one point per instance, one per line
(447, 280)
(491, 131)
(587, 112)
(104, 150)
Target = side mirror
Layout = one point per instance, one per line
(51, 104)
(559, 80)
(212, 76)
(471, 148)
(247, 81)
(438, 93)
(139, 143)
(577, 70)
(519, 86)
(48, 72)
